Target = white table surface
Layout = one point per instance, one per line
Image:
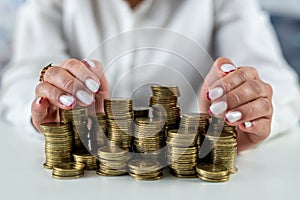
(271, 171)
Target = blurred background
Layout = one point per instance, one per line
(285, 16)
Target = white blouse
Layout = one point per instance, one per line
(160, 42)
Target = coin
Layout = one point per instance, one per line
(145, 169)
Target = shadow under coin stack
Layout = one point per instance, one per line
(58, 143)
(164, 105)
(212, 172)
(98, 132)
(150, 139)
(68, 170)
(119, 114)
(78, 118)
(113, 161)
(145, 170)
(88, 160)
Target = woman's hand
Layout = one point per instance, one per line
(72, 82)
(242, 98)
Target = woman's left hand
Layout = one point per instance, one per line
(242, 98)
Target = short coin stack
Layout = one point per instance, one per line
(113, 161)
(224, 151)
(119, 113)
(98, 132)
(149, 138)
(59, 142)
(164, 104)
(212, 172)
(68, 170)
(145, 170)
(182, 152)
(88, 160)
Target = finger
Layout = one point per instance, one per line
(62, 79)
(55, 96)
(221, 68)
(103, 93)
(232, 81)
(249, 137)
(247, 92)
(82, 73)
(259, 108)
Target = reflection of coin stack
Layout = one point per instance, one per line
(164, 104)
(145, 170)
(120, 117)
(224, 151)
(78, 118)
(212, 172)
(112, 161)
(68, 170)
(98, 132)
(87, 159)
(149, 138)
(58, 146)
(182, 152)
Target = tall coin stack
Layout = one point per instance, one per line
(145, 170)
(149, 139)
(182, 152)
(58, 146)
(98, 132)
(113, 161)
(164, 105)
(119, 114)
(78, 118)
(224, 145)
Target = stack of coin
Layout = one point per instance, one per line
(141, 112)
(98, 132)
(149, 138)
(164, 104)
(113, 161)
(68, 170)
(182, 152)
(212, 172)
(145, 170)
(78, 119)
(87, 159)
(119, 114)
(59, 143)
(224, 145)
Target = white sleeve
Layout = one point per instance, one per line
(244, 34)
(38, 41)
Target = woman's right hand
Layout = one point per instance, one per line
(72, 82)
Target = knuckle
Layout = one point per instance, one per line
(235, 98)
(69, 84)
(242, 75)
(255, 86)
(266, 105)
(51, 72)
(71, 63)
(269, 89)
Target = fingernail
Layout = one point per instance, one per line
(66, 100)
(233, 116)
(91, 63)
(218, 108)
(39, 101)
(85, 97)
(227, 68)
(215, 93)
(248, 124)
(92, 85)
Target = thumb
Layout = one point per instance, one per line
(39, 111)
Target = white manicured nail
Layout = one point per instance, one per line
(92, 85)
(84, 97)
(91, 63)
(218, 108)
(233, 116)
(66, 100)
(38, 101)
(215, 93)
(248, 124)
(227, 68)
